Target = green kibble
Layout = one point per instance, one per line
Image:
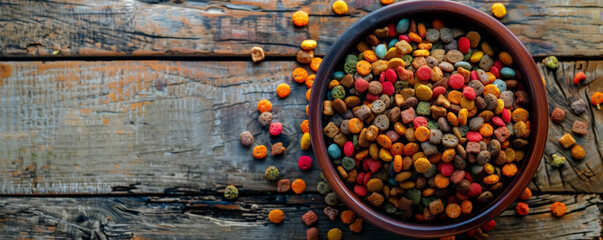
(431, 124)
(331, 199)
(557, 161)
(338, 92)
(407, 59)
(350, 67)
(348, 163)
(437, 45)
(427, 200)
(390, 208)
(360, 56)
(231, 192)
(464, 130)
(551, 62)
(468, 55)
(414, 195)
(323, 188)
(400, 85)
(424, 108)
(414, 46)
(351, 57)
(272, 174)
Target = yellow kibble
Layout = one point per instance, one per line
(476, 56)
(340, 7)
(488, 168)
(500, 105)
(423, 93)
(499, 10)
(308, 45)
(385, 155)
(407, 185)
(491, 179)
(305, 143)
(420, 53)
(422, 165)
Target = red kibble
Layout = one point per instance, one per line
(473, 136)
(498, 64)
(438, 91)
(391, 76)
(365, 165)
(360, 177)
(392, 30)
(498, 121)
(456, 81)
(506, 115)
(475, 190)
(361, 85)
(371, 97)
(496, 71)
(388, 88)
(446, 169)
(457, 176)
(579, 77)
(367, 177)
(464, 45)
(468, 177)
(360, 190)
(489, 226)
(424, 73)
(522, 208)
(374, 165)
(469, 93)
(419, 122)
(275, 128)
(348, 148)
(474, 75)
(304, 162)
(382, 77)
(405, 38)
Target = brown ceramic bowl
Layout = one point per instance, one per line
(462, 16)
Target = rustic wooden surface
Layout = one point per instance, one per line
(151, 144)
(212, 218)
(232, 28)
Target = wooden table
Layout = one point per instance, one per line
(121, 118)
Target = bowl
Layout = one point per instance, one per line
(485, 24)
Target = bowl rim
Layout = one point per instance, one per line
(538, 114)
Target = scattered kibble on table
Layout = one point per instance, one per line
(298, 186)
(526, 194)
(356, 226)
(265, 118)
(580, 127)
(558, 115)
(257, 54)
(300, 18)
(277, 149)
(272, 173)
(551, 62)
(579, 77)
(557, 160)
(312, 234)
(246, 138)
(283, 90)
(567, 141)
(522, 208)
(499, 10)
(276, 216)
(283, 185)
(308, 44)
(558, 209)
(260, 152)
(304, 162)
(340, 7)
(309, 218)
(275, 128)
(300, 75)
(231, 192)
(334, 234)
(264, 105)
(578, 152)
(597, 99)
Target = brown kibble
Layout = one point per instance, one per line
(580, 127)
(283, 185)
(257, 54)
(305, 57)
(578, 152)
(376, 199)
(309, 218)
(567, 141)
(356, 226)
(277, 149)
(348, 216)
(312, 234)
(331, 213)
(558, 115)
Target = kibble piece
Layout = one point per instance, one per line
(257, 54)
(558, 115)
(277, 149)
(312, 234)
(578, 152)
(331, 213)
(309, 218)
(567, 141)
(557, 161)
(578, 106)
(246, 138)
(283, 185)
(231, 192)
(334, 234)
(580, 127)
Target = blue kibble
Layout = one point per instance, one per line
(329, 97)
(507, 73)
(403, 25)
(334, 151)
(391, 170)
(500, 84)
(338, 75)
(463, 64)
(392, 43)
(392, 182)
(381, 50)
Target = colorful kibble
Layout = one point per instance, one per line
(283, 185)
(300, 18)
(340, 7)
(264, 106)
(246, 138)
(522, 208)
(557, 161)
(334, 234)
(597, 99)
(309, 218)
(276, 216)
(231, 192)
(558, 209)
(257, 54)
(260, 152)
(298, 186)
(275, 128)
(277, 149)
(304, 162)
(551, 62)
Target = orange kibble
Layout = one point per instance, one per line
(453, 210)
(411, 148)
(300, 75)
(397, 163)
(400, 128)
(305, 126)
(486, 130)
(300, 18)
(283, 90)
(448, 155)
(452, 119)
(559, 209)
(298, 186)
(308, 94)
(307, 110)
(455, 96)
(370, 56)
(333, 83)
(522, 208)
(421, 30)
(315, 64)
(422, 133)
(387, 2)
(491, 179)
(276, 216)
(363, 67)
(462, 196)
(509, 170)
(384, 141)
(356, 226)
(264, 106)
(428, 192)
(441, 181)
(490, 88)
(310, 80)
(260, 151)
(435, 158)
(466, 207)
(397, 148)
(526, 194)
(355, 125)
(348, 216)
(437, 23)
(414, 37)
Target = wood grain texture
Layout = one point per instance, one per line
(576, 175)
(232, 28)
(154, 127)
(211, 217)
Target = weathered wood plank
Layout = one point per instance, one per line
(576, 175)
(118, 27)
(172, 127)
(212, 218)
